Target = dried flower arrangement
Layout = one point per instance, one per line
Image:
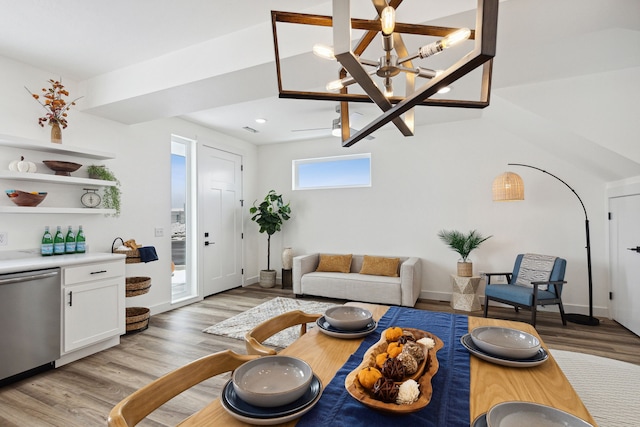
(54, 103)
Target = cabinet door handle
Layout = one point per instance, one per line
(70, 298)
(98, 272)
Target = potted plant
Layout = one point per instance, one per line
(270, 214)
(463, 244)
(110, 194)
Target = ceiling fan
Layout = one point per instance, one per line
(335, 127)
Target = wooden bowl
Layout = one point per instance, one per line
(22, 198)
(62, 168)
(422, 377)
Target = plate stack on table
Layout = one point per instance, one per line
(271, 390)
(347, 322)
(505, 346)
(513, 414)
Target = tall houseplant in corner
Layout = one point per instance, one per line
(270, 214)
(463, 244)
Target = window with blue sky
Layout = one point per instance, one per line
(332, 172)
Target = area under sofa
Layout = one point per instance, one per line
(401, 290)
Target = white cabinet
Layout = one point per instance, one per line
(17, 142)
(94, 305)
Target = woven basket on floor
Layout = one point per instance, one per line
(137, 286)
(137, 319)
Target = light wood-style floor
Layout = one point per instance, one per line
(82, 393)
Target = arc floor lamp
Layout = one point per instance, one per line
(509, 186)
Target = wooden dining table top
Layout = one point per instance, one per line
(490, 383)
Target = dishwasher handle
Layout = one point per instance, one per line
(27, 278)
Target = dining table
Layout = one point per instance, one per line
(463, 389)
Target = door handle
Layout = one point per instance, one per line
(637, 249)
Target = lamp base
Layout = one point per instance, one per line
(582, 319)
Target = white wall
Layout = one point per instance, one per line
(142, 165)
(441, 179)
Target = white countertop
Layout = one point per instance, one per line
(17, 261)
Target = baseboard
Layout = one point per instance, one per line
(568, 308)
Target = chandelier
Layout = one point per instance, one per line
(396, 60)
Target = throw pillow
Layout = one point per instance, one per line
(379, 266)
(335, 263)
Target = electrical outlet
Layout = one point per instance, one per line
(4, 238)
(159, 231)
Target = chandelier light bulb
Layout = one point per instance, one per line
(335, 128)
(323, 51)
(388, 88)
(388, 20)
(456, 37)
(334, 85)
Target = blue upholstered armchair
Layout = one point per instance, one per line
(535, 280)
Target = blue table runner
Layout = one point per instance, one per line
(449, 404)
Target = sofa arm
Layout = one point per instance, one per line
(302, 265)
(410, 281)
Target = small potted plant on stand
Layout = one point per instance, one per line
(463, 244)
(270, 214)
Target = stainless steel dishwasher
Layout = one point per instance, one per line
(30, 319)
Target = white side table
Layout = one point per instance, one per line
(464, 296)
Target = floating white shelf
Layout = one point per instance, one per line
(39, 210)
(29, 144)
(57, 179)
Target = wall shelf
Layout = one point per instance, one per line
(57, 179)
(39, 210)
(29, 144)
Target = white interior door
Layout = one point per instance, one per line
(625, 260)
(220, 219)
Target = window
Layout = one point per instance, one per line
(332, 172)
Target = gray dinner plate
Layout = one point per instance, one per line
(538, 359)
(516, 414)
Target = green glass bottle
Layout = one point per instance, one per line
(46, 248)
(70, 242)
(81, 246)
(58, 243)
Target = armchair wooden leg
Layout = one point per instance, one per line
(486, 306)
(564, 321)
(533, 316)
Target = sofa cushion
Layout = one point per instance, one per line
(353, 286)
(380, 266)
(334, 263)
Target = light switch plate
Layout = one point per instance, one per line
(159, 231)
(4, 238)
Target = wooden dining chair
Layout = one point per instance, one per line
(255, 337)
(138, 405)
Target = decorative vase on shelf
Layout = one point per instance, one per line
(287, 258)
(56, 133)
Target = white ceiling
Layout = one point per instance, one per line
(211, 61)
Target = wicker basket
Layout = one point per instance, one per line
(137, 319)
(137, 286)
(133, 255)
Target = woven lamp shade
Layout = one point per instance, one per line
(507, 187)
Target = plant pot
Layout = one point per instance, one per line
(465, 269)
(267, 278)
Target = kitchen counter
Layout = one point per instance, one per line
(26, 260)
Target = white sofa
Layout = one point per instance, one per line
(403, 290)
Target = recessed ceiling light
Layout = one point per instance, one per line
(445, 89)
(261, 121)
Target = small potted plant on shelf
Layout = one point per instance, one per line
(270, 215)
(110, 195)
(463, 244)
